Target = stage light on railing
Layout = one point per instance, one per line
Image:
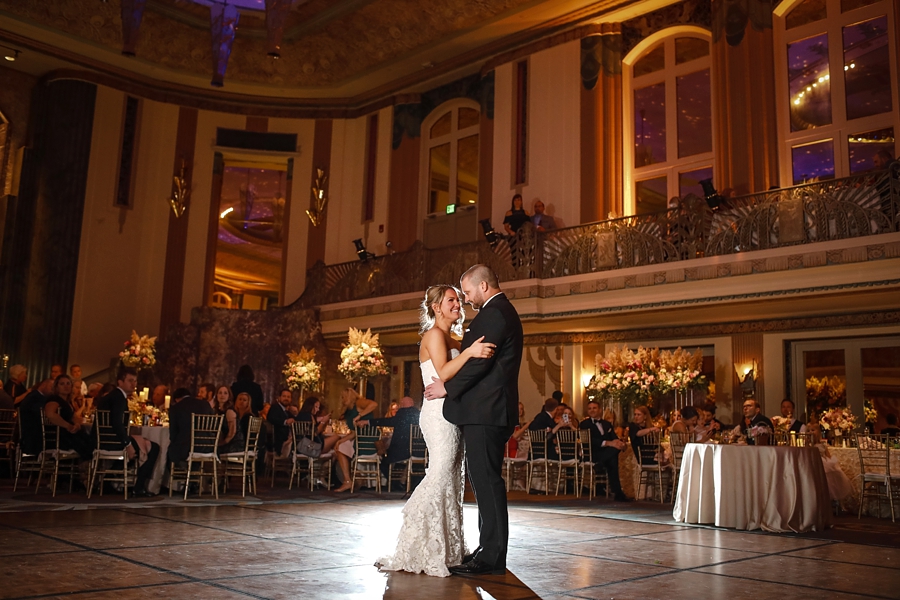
(363, 254)
(713, 199)
(489, 234)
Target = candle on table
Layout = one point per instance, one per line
(168, 401)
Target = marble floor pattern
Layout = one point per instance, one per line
(323, 547)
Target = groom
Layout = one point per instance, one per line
(483, 400)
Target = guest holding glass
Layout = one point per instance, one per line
(60, 410)
(356, 407)
(309, 413)
(640, 427)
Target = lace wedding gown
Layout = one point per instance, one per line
(431, 538)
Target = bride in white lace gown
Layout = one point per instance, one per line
(431, 537)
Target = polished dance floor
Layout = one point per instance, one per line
(324, 545)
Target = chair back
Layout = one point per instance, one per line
(537, 449)
(677, 442)
(417, 446)
(650, 451)
(254, 428)
(205, 433)
(365, 440)
(103, 429)
(584, 443)
(874, 454)
(50, 433)
(300, 430)
(567, 444)
(7, 425)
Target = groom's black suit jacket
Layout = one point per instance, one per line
(485, 391)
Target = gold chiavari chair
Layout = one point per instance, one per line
(513, 464)
(25, 462)
(54, 460)
(204, 445)
(313, 467)
(567, 449)
(677, 442)
(875, 475)
(108, 462)
(243, 464)
(653, 469)
(418, 455)
(366, 455)
(7, 435)
(592, 474)
(538, 459)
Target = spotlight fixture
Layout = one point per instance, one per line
(363, 254)
(490, 235)
(10, 54)
(713, 198)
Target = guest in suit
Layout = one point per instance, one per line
(15, 385)
(30, 409)
(891, 428)
(787, 411)
(605, 447)
(753, 417)
(245, 383)
(281, 416)
(207, 391)
(158, 397)
(181, 421)
(541, 220)
(138, 447)
(544, 420)
(407, 414)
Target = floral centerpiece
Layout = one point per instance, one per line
(869, 411)
(781, 423)
(838, 419)
(825, 393)
(302, 372)
(139, 408)
(139, 352)
(362, 357)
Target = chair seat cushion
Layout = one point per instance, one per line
(110, 454)
(60, 454)
(202, 456)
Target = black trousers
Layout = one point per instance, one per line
(484, 462)
(608, 458)
(145, 471)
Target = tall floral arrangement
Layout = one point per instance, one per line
(825, 393)
(302, 371)
(869, 411)
(139, 351)
(634, 377)
(362, 356)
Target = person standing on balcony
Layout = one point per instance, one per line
(541, 220)
(515, 216)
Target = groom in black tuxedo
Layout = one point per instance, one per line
(483, 400)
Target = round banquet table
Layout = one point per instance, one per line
(160, 435)
(774, 488)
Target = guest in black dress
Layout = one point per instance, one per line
(59, 410)
(640, 427)
(515, 216)
(231, 438)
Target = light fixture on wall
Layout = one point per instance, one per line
(316, 212)
(747, 374)
(586, 380)
(10, 54)
(180, 193)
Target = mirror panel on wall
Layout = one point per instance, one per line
(249, 248)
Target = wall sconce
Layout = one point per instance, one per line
(747, 374)
(316, 212)
(586, 380)
(180, 193)
(363, 254)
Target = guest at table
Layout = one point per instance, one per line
(544, 420)
(181, 422)
(15, 385)
(77, 381)
(158, 397)
(891, 428)
(309, 413)
(30, 409)
(522, 419)
(605, 448)
(231, 438)
(787, 411)
(392, 409)
(242, 408)
(60, 410)
(245, 383)
(610, 415)
(207, 391)
(566, 419)
(56, 371)
(138, 447)
(93, 394)
(640, 427)
(708, 418)
(407, 414)
(281, 415)
(753, 418)
(356, 407)
(690, 423)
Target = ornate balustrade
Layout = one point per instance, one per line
(838, 209)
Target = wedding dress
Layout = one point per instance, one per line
(431, 538)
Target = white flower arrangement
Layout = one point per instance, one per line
(781, 423)
(302, 371)
(362, 356)
(838, 419)
(139, 352)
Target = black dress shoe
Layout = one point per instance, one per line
(477, 567)
(143, 494)
(623, 498)
(471, 555)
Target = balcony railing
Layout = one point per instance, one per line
(837, 209)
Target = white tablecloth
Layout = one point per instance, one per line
(160, 435)
(774, 488)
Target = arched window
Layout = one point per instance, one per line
(668, 118)
(450, 145)
(837, 99)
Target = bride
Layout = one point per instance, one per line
(431, 538)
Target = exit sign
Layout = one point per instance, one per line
(451, 208)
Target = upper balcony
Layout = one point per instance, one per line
(619, 265)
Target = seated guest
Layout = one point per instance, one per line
(787, 411)
(245, 383)
(708, 418)
(610, 415)
(232, 438)
(30, 409)
(891, 428)
(242, 408)
(138, 447)
(565, 420)
(544, 420)
(407, 414)
(59, 410)
(15, 385)
(77, 382)
(310, 413)
(690, 423)
(158, 398)
(753, 417)
(56, 371)
(207, 391)
(637, 429)
(605, 447)
(181, 421)
(281, 415)
(356, 407)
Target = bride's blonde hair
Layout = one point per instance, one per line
(435, 295)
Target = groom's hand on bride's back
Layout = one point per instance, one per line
(435, 389)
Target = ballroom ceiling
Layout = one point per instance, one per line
(350, 49)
